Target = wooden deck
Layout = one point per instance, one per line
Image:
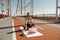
(50, 32)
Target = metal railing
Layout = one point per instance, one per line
(46, 15)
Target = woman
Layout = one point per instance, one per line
(28, 22)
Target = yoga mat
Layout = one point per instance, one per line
(31, 34)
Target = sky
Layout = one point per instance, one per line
(40, 6)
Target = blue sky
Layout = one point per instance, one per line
(40, 6)
(45, 6)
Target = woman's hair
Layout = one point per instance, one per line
(28, 14)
